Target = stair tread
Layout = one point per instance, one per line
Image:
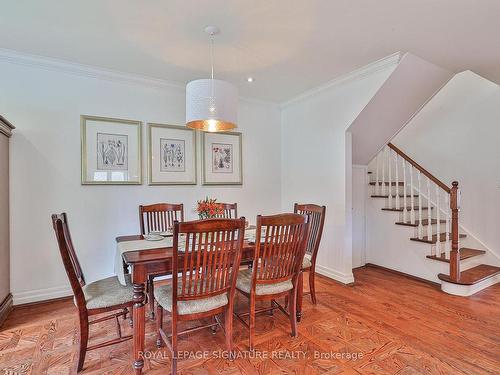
(393, 183)
(473, 275)
(434, 238)
(424, 222)
(465, 253)
(394, 196)
(407, 208)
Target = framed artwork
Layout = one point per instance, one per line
(171, 155)
(111, 151)
(222, 158)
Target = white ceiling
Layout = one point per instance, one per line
(288, 46)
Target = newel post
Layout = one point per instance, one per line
(455, 251)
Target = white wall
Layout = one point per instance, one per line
(45, 104)
(456, 136)
(314, 160)
(359, 188)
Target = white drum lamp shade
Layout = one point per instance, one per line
(211, 105)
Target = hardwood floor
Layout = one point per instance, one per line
(394, 325)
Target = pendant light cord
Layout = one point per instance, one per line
(212, 89)
(212, 54)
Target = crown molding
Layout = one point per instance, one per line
(82, 70)
(6, 127)
(63, 66)
(351, 76)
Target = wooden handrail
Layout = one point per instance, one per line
(420, 168)
(452, 245)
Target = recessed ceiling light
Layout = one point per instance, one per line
(250, 79)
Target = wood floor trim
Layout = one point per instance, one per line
(416, 278)
(5, 308)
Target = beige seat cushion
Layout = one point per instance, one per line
(244, 283)
(107, 292)
(306, 263)
(163, 294)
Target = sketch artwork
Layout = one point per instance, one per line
(222, 158)
(112, 152)
(172, 155)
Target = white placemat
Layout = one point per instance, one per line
(137, 245)
(123, 247)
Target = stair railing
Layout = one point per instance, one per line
(412, 177)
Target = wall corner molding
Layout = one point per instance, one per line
(5, 126)
(359, 73)
(344, 278)
(5, 308)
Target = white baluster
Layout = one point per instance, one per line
(420, 227)
(447, 244)
(390, 178)
(412, 196)
(383, 170)
(405, 213)
(377, 187)
(429, 209)
(438, 226)
(398, 205)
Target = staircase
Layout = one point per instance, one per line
(432, 208)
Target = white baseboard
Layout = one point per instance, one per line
(344, 278)
(468, 290)
(37, 295)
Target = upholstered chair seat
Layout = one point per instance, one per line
(244, 283)
(306, 263)
(163, 295)
(107, 292)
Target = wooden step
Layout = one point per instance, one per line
(465, 253)
(393, 183)
(424, 222)
(394, 196)
(407, 209)
(473, 275)
(434, 238)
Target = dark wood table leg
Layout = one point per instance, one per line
(139, 281)
(300, 295)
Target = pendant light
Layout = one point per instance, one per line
(211, 104)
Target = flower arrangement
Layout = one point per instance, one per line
(209, 208)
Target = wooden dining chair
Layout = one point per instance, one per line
(230, 210)
(106, 295)
(280, 242)
(317, 221)
(206, 260)
(159, 217)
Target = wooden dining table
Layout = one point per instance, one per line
(159, 261)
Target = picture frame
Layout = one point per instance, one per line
(222, 158)
(172, 155)
(111, 151)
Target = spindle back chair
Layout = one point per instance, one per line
(206, 259)
(317, 221)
